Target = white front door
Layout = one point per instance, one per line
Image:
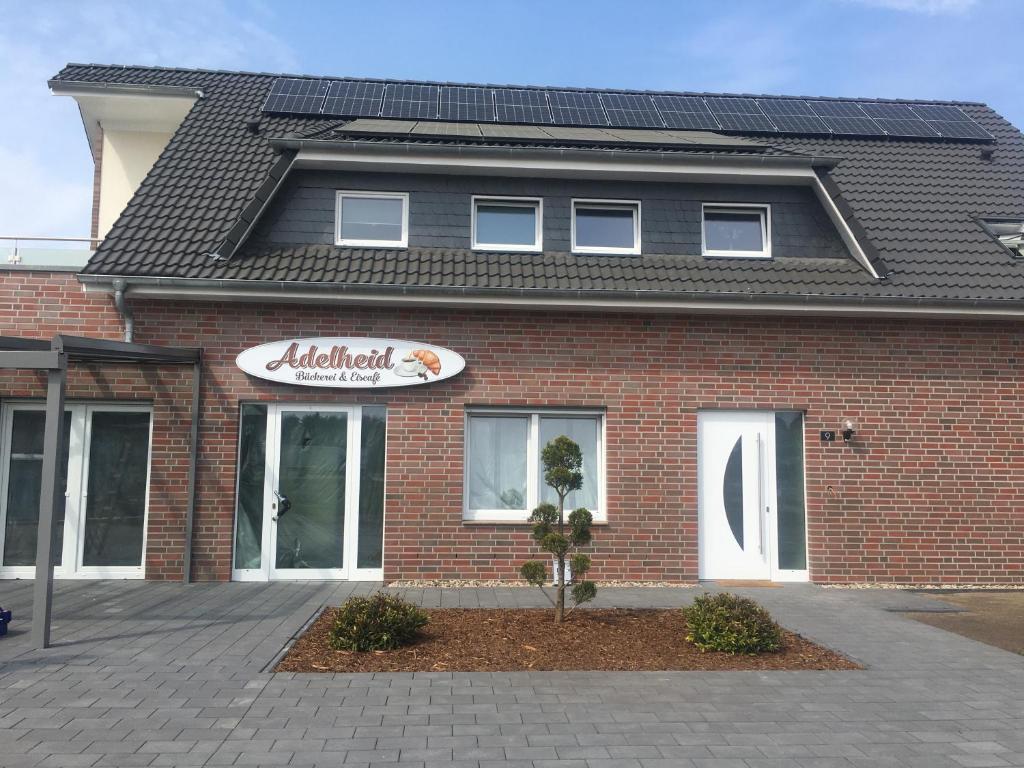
(101, 530)
(303, 509)
(751, 496)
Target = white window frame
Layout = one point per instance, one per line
(77, 491)
(341, 194)
(533, 448)
(765, 210)
(609, 205)
(511, 202)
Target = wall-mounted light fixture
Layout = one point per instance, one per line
(849, 430)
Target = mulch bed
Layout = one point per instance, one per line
(484, 640)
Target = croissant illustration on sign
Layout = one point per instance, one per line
(350, 362)
(418, 362)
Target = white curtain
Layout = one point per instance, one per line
(497, 462)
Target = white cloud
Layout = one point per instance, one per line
(45, 168)
(929, 7)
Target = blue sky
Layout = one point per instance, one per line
(923, 49)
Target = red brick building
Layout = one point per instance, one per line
(705, 299)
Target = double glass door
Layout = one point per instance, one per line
(752, 522)
(100, 525)
(310, 496)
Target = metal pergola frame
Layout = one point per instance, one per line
(53, 356)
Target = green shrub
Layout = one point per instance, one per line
(381, 622)
(727, 622)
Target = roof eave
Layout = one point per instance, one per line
(242, 290)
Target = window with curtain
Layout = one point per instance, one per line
(504, 473)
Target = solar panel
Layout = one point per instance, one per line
(467, 104)
(521, 105)
(952, 122)
(576, 108)
(686, 112)
(853, 126)
(631, 110)
(435, 128)
(411, 102)
(939, 112)
(772, 107)
(296, 95)
(960, 129)
(845, 118)
(793, 116)
(353, 99)
(914, 127)
(889, 111)
(595, 109)
(801, 124)
(739, 114)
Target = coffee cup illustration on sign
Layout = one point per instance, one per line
(418, 363)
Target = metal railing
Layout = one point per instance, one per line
(14, 257)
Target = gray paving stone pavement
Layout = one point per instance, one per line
(160, 674)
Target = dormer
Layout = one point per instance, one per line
(127, 128)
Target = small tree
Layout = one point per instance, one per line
(563, 462)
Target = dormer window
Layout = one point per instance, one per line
(507, 224)
(373, 219)
(606, 226)
(1009, 232)
(736, 229)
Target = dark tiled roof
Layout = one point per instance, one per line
(445, 268)
(916, 200)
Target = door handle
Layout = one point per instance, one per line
(283, 505)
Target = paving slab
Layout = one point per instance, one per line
(157, 673)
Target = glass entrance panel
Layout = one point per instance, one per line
(371, 487)
(789, 466)
(24, 484)
(115, 506)
(252, 457)
(312, 477)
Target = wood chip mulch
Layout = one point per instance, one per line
(484, 640)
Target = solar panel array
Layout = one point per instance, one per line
(540, 106)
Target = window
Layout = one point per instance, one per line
(378, 219)
(737, 230)
(507, 224)
(504, 477)
(605, 226)
(1008, 232)
(101, 520)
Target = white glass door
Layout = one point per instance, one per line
(100, 532)
(751, 496)
(310, 492)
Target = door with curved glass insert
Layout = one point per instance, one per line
(751, 496)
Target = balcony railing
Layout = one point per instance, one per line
(44, 251)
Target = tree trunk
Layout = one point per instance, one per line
(560, 604)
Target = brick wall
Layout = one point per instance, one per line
(931, 490)
(38, 304)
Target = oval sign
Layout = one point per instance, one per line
(350, 362)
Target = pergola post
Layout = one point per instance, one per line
(193, 459)
(50, 496)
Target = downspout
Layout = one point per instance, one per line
(120, 291)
